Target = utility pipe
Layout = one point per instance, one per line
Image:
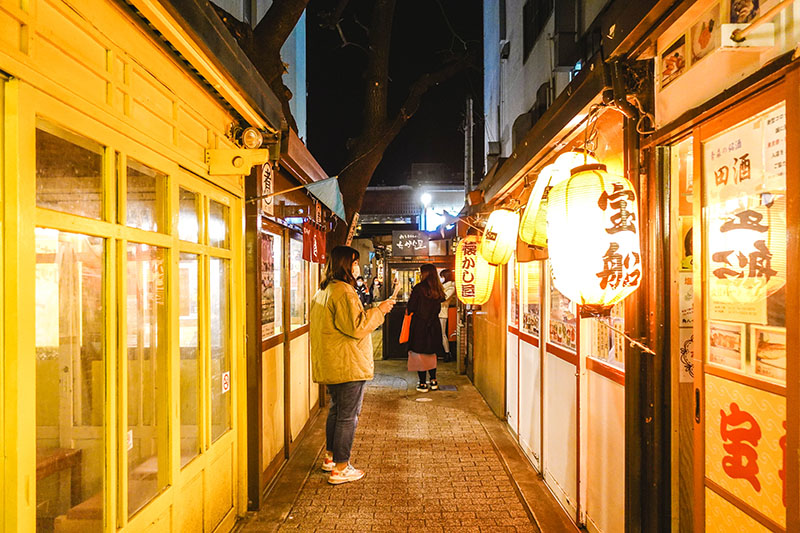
(739, 35)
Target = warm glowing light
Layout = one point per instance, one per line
(500, 236)
(593, 237)
(474, 275)
(252, 138)
(533, 226)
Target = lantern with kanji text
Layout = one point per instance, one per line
(500, 237)
(593, 238)
(533, 226)
(474, 276)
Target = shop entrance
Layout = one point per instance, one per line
(406, 275)
(729, 326)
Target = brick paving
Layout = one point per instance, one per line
(430, 466)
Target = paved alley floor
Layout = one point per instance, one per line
(431, 464)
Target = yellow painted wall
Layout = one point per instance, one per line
(87, 66)
(272, 403)
(301, 380)
(490, 347)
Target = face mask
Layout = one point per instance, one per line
(360, 283)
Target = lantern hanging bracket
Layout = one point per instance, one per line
(631, 340)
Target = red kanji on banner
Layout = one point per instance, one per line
(740, 443)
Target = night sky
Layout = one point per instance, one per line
(420, 37)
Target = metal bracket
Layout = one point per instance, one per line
(237, 161)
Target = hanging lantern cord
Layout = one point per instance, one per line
(633, 341)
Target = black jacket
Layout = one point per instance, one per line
(425, 335)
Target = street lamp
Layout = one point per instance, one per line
(426, 200)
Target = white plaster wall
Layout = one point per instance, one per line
(605, 445)
(530, 405)
(491, 74)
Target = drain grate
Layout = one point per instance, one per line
(448, 387)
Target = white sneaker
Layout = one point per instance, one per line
(345, 475)
(327, 462)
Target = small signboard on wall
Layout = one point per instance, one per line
(267, 201)
(409, 243)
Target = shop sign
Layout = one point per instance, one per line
(314, 243)
(746, 206)
(745, 443)
(351, 233)
(409, 243)
(267, 185)
(474, 275)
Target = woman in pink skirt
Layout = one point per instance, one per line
(425, 334)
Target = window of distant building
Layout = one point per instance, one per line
(534, 17)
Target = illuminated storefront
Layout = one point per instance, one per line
(123, 370)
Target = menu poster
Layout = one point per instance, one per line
(726, 345)
(267, 287)
(686, 299)
(768, 352)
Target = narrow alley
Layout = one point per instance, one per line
(439, 461)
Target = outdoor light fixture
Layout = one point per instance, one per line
(500, 237)
(474, 276)
(533, 227)
(252, 138)
(425, 199)
(593, 238)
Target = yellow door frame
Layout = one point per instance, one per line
(21, 104)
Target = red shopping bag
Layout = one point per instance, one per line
(406, 329)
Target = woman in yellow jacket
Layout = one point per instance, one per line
(341, 356)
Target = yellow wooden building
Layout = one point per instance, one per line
(123, 403)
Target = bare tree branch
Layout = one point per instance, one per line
(334, 18)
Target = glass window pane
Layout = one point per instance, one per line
(219, 307)
(147, 352)
(188, 217)
(297, 271)
(513, 292)
(530, 285)
(562, 319)
(69, 172)
(189, 356)
(146, 193)
(744, 210)
(271, 285)
(70, 379)
(217, 224)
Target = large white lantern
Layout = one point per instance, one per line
(533, 226)
(593, 238)
(500, 237)
(474, 276)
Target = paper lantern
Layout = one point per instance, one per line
(474, 276)
(500, 237)
(593, 238)
(533, 226)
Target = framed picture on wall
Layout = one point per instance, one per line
(768, 352)
(726, 346)
(673, 61)
(706, 35)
